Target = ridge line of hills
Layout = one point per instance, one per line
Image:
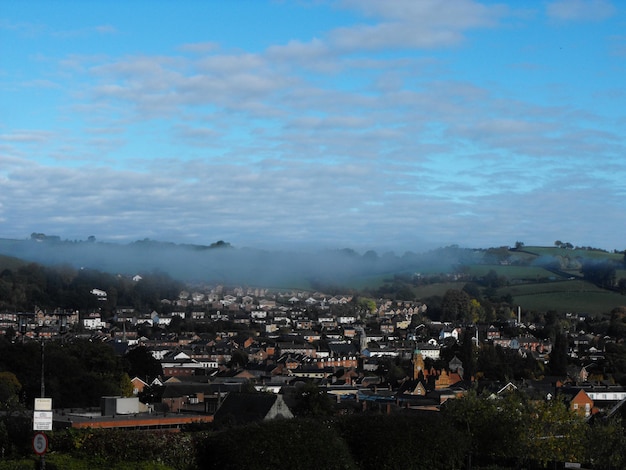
(562, 277)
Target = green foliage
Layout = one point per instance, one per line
(296, 444)
(309, 400)
(25, 285)
(491, 427)
(118, 447)
(558, 356)
(67, 462)
(10, 388)
(77, 373)
(514, 428)
(606, 444)
(16, 434)
(504, 364)
(553, 433)
(139, 362)
(455, 305)
(380, 442)
(22, 464)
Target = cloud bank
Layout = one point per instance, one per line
(395, 125)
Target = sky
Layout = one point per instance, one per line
(387, 125)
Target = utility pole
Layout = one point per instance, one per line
(43, 384)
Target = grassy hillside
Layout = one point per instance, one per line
(572, 253)
(574, 296)
(11, 263)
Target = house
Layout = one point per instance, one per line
(93, 322)
(242, 408)
(138, 385)
(197, 397)
(449, 332)
(581, 404)
(100, 294)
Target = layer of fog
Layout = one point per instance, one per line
(231, 265)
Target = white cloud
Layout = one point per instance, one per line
(27, 136)
(580, 10)
(411, 24)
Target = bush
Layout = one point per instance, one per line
(116, 446)
(297, 444)
(67, 462)
(24, 464)
(402, 441)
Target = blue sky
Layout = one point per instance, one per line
(396, 125)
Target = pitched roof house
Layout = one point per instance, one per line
(241, 408)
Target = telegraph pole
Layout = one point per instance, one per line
(43, 384)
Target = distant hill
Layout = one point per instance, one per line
(220, 262)
(558, 276)
(10, 262)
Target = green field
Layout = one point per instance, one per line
(574, 296)
(597, 303)
(440, 288)
(588, 254)
(512, 273)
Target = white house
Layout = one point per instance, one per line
(102, 295)
(93, 322)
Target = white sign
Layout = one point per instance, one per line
(43, 404)
(42, 421)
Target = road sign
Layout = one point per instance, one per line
(42, 421)
(43, 404)
(40, 443)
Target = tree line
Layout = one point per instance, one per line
(66, 287)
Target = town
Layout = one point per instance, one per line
(219, 356)
(271, 339)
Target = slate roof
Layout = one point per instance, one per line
(241, 408)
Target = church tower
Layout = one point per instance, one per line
(418, 364)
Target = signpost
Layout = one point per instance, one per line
(42, 418)
(42, 421)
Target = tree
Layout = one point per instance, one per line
(297, 444)
(492, 427)
(553, 433)
(602, 274)
(239, 358)
(139, 362)
(557, 363)
(310, 400)
(403, 441)
(467, 353)
(10, 388)
(455, 305)
(606, 443)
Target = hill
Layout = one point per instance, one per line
(565, 279)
